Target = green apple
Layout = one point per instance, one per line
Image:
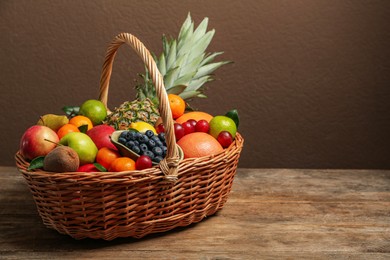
(94, 110)
(82, 144)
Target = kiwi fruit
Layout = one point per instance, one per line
(61, 159)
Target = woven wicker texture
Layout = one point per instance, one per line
(134, 203)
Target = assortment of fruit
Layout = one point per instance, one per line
(82, 139)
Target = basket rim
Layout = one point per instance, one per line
(136, 175)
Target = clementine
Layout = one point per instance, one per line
(106, 156)
(81, 120)
(67, 128)
(199, 144)
(177, 105)
(122, 164)
(196, 115)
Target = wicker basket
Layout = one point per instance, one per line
(135, 203)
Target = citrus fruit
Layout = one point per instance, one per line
(177, 105)
(94, 110)
(199, 144)
(142, 127)
(222, 123)
(67, 128)
(197, 115)
(122, 164)
(106, 156)
(80, 121)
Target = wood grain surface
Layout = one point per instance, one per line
(270, 214)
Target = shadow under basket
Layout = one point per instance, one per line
(108, 205)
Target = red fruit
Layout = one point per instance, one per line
(160, 128)
(188, 128)
(202, 126)
(143, 162)
(33, 143)
(89, 167)
(192, 121)
(179, 131)
(100, 135)
(225, 139)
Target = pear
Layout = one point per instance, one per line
(53, 121)
(61, 159)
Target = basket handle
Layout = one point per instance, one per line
(169, 166)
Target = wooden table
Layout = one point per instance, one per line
(271, 213)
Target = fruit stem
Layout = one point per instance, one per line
(52, 142)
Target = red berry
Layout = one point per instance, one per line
(202, 126)
(188, 128)
(179, 131)
(225, 139)
(160, 128)
(143, 162)
(192, 121)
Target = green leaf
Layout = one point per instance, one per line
(172, 55)
(176, 89)
(209, 68)
(100, 167)
(161, 64)
(71, 111)
(201, 30)
(83, 128)
(188, 94)
(233, 114)
(36, 163)
(197, 83)
(210, 57)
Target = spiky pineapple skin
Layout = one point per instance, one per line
(133, 111)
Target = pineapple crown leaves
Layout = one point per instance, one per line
(184, 64)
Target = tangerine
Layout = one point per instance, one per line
(199, 144)
(196, 115)
(122, 164)
(106, 156)
(81, 120)
(65, 129)
(177, 105)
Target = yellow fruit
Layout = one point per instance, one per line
(54, 122)
(142, 127)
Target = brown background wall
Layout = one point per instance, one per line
(310, 79)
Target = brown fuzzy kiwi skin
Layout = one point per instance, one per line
(61, 159)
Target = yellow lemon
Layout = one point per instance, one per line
(142, 127)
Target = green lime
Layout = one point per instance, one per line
(222, 123)
(94, 110)
(233, 114)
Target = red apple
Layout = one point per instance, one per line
(89, 167)
(100, 135)
(33, 143)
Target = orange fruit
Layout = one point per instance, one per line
(122, 164)
(197, 115)
(199, 144)
(81, 120)
(177, 104)
(65, 129)
(106, 156)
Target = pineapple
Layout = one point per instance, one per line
(185, 68)
(128, 112)
(183, 63)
